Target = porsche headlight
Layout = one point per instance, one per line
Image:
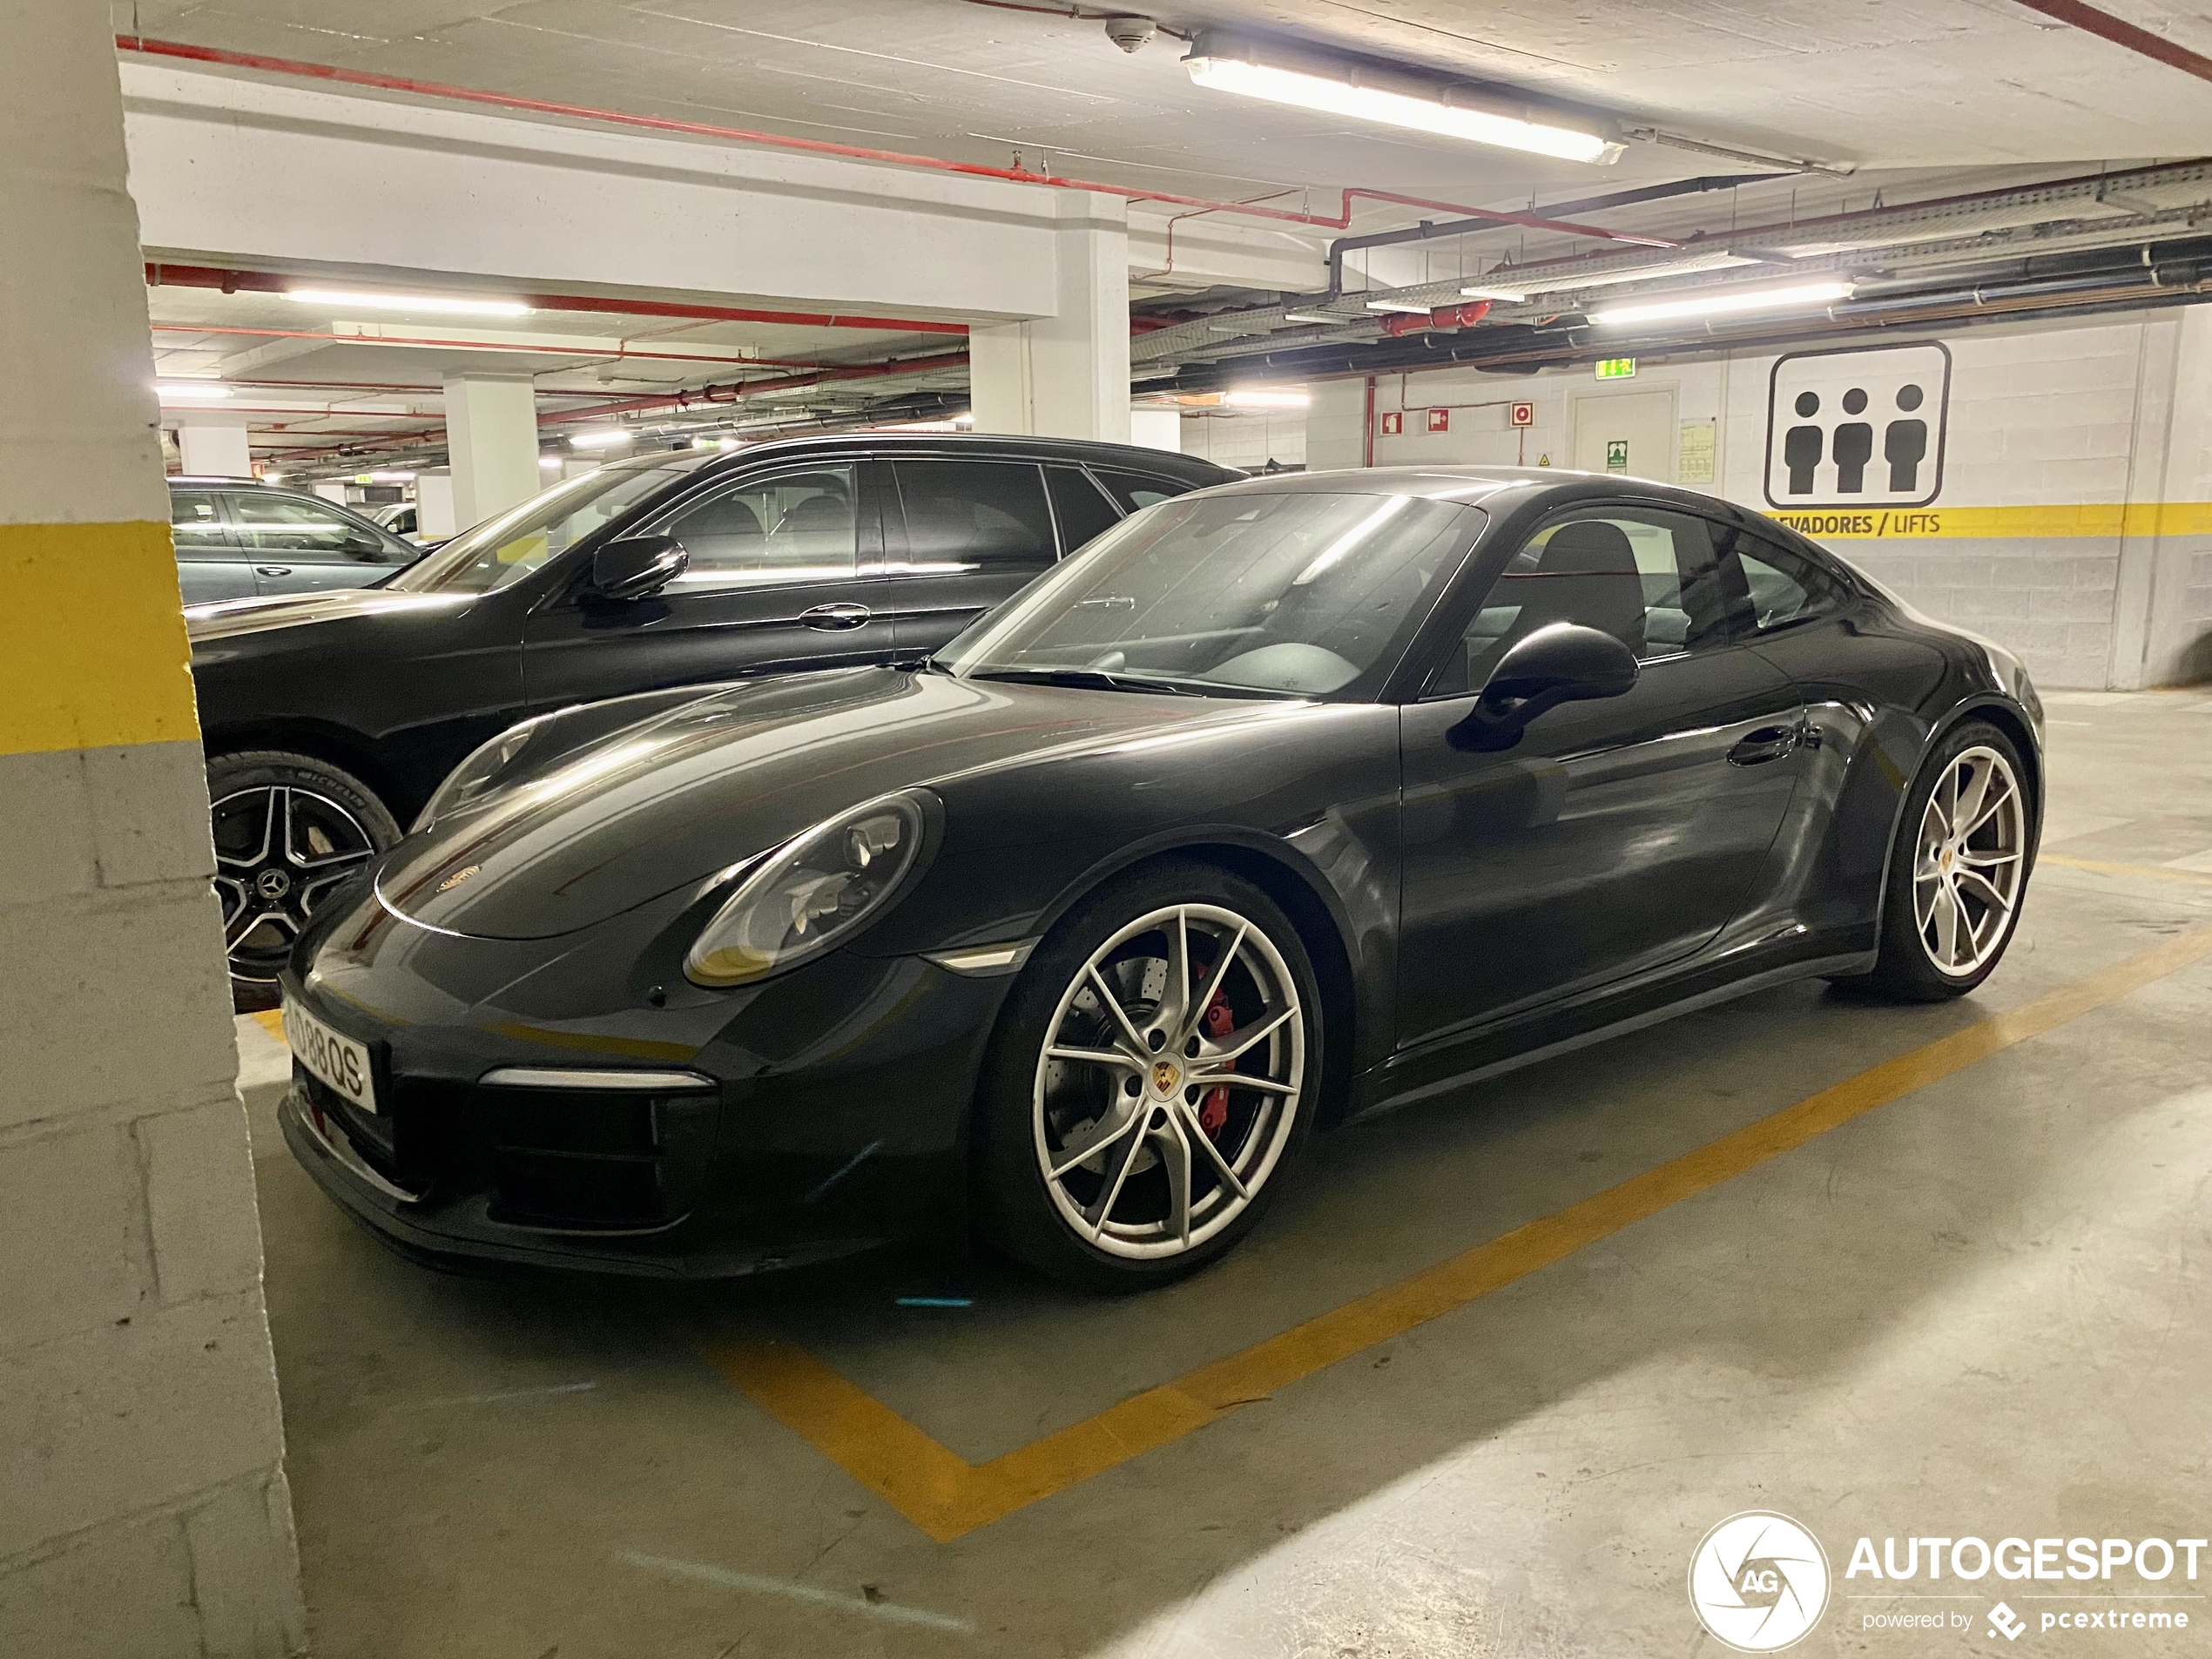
(811, 894)
(476, 774)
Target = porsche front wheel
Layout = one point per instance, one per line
(1154, 1076)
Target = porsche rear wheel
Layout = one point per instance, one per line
(1959, 869)
(1153, 1077)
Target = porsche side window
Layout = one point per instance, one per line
(791, 527)
(1785, 587)
(1647, 577)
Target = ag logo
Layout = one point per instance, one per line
(1758, 1581)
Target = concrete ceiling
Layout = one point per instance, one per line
(1912, 98)
(1875, 82)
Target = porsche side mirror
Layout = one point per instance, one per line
(637, 567)
(1561, 662)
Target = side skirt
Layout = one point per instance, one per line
(1840, 967)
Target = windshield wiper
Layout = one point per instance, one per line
(1096, 679)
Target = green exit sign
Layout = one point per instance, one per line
(1616, 368)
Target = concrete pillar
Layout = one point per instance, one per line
(1065, 375)
(143, 1505)
(1157, 428)
(434, 519)
(491, 435)
(211, 443)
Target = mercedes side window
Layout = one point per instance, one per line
(800, 526)
(1080, 506)
(970, 515)
(1647, 576)
(196, 526)
(1133, 490)
(1785, 587)
(309, 532)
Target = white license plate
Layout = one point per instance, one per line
(337, 1060)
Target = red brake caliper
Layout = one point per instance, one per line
(1213, 1110)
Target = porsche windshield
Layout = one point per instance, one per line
(509, 546)
(1296, 593)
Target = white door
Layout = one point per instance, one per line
(1627, 434)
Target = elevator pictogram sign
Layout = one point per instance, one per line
(1860, 427)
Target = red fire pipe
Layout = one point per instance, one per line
(1342, 220)
(605, 353)
(232, 281)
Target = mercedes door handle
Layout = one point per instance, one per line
(1767, 743)
(837, 619)
(271, 569)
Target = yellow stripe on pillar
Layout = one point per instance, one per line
(92, 644)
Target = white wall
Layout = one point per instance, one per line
(2074, 521)
(1249, 439)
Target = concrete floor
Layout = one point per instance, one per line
(1983, 1309)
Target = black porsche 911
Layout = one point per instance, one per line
(1283, 802)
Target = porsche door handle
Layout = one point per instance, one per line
(1767, 743)
(837, 619)
(271, 569)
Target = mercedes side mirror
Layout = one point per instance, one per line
(637, 567)
(1561, 662)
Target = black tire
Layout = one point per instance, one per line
(1020, 1208)
(1906, 970)
(269, 881)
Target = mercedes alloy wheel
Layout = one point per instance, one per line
(288, 830)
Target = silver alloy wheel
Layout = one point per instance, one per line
(1162, 1102)
(1969, 861)
(278, 850)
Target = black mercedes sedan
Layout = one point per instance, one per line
(1283, 802)
(329, 718)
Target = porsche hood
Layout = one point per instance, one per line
(679, 798)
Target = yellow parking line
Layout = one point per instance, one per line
(270, 1020)
(946, 1496)
(2150, 870)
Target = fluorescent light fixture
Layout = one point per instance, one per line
(727, 444)
(1723, 303)
(190, 391)
(272, 476)
(963, 420)
(443, 305)
(1261, 399)
(1366, 92)
(550, 463)
(605, 439)
(1504, 296)
(391, 477)
(1311, 316)
(1399, 305)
